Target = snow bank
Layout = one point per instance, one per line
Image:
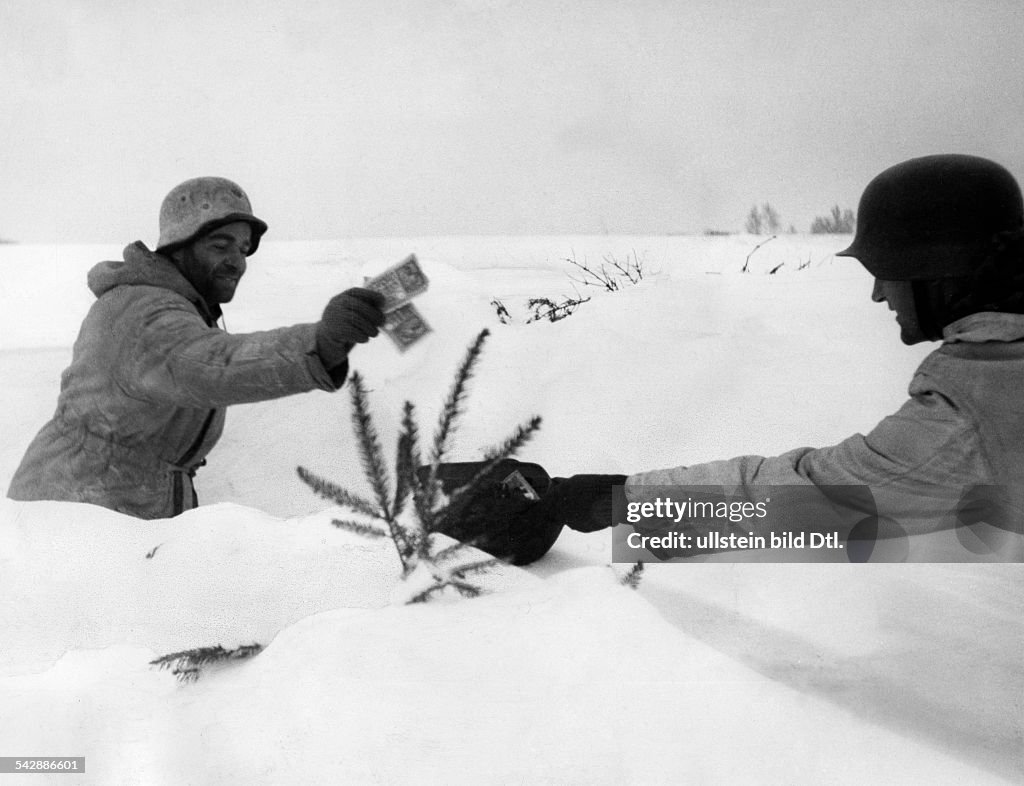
(82, 577)
(575, 680)
(219, 575)
(710, 673)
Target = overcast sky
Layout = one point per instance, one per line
(344, 118)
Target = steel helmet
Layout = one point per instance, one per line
(934, 217)
(201, 204)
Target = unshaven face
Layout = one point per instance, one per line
(215, 262)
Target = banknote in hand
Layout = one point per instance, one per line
(400, 284)
(405, 326)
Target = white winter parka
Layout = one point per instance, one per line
(962, 429)
(143, 401)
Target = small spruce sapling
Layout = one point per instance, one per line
(417, 508)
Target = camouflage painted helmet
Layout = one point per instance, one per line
(201, 204)
(934, 217)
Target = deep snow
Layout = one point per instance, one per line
(709, 673)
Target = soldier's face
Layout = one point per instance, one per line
(899, 295)
(215, 262)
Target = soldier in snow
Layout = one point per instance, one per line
(143, 401)
(943, 236)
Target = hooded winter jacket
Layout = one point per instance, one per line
(143, 400)
(958, 436)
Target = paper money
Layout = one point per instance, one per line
(399, 284)
(405, 326)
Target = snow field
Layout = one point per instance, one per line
(710, 673)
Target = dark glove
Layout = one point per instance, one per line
(350, 318)
(582, 502)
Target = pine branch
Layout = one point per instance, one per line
(480, 566)
(463, 495)
(194, 657)
(632, 579)
(373, 464)
(187, 664)
(337, 494)
(424, 596)
(449, 552)
(427, 499)
(246, 651)
(453, 404)
(511, 446)
(425, 496)
(406, 459)
(426, 542)
(417, 544)
(359, 528)
(369, 447)
(466, 589)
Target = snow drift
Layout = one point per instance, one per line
(708, 673)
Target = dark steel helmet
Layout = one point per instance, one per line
(196, 206)
(934, 217)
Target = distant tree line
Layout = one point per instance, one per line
(839, 222)
(765, 220)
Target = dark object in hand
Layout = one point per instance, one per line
(497, 517)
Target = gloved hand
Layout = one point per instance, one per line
(350, 318)
(582, 502)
